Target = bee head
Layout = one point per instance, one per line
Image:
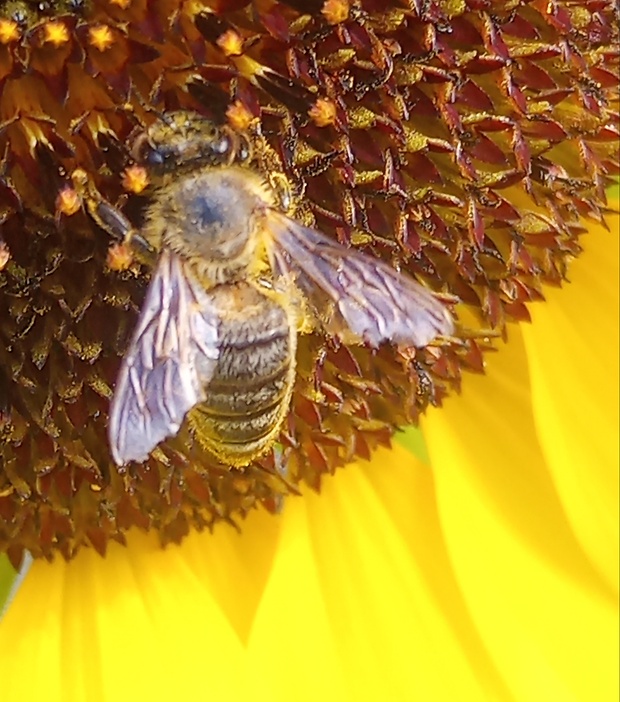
(187, 140)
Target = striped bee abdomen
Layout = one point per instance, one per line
(249, 394)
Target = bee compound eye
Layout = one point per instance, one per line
(153, 156)
(19, 16)
(221, 145)
(243, 152)
(147, 154)
(139, 149)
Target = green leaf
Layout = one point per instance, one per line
(11, 579)
(8, 574)
(412, 439)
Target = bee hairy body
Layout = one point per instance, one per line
(236, 281)
(250, 391)
(212, 218)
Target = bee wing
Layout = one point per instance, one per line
(171, 358)
(353, 295)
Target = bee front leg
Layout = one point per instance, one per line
(281, 465)
(110, 218)
(284, 192)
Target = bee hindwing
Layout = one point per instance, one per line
(352, 295)
(172, 356)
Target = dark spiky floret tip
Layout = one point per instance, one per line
(461, 140)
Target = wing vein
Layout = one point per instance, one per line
(171, 358)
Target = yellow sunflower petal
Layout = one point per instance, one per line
(143, 623)
(372, 570)
(360, 602)
(399, 582)
(572, 349)
(548, 619)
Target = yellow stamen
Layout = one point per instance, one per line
(230, 43)
(135, 179)
(68, 201)
(119, 257)
(336, 11)
(323, 112)
(239, 117)
(9, 31)
(56, 33)
(101, 37)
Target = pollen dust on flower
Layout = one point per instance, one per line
(55, 33)
(231, 43)
(9, 31)
(101, 37)
(323, 112)
(135, 179)
(238, 115)
(119, 257)
(336, 11)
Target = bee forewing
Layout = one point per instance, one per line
(172, 356)
(352, 294)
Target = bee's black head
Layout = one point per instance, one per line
(185, 140)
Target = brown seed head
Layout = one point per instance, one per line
(471, 139)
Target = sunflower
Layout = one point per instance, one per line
(466, 142)
(463, 144)
(487, 571)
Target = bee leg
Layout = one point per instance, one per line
(281, 465)
(5, 254)
(283, 190)
(110, 218)
(113, 221)
(146, 104)
(5, 402)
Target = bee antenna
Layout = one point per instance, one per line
(164, 117)
(147, 106)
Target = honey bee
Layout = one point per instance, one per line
(235, 281)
